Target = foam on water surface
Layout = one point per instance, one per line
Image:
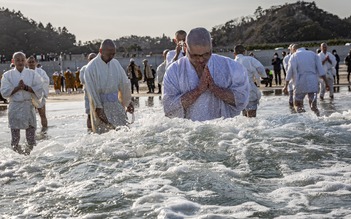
(279, 165)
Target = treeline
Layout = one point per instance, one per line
(19, 33)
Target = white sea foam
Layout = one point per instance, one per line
(278, 165)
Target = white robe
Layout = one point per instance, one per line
(108, 88)
(181, 78)
(21, 112)
(86, 98)
(170, 56)
(304, 70)
(286, 66)
(328, 67)
(46, 81)
(253, 67)
(161, 70)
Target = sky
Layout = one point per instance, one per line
(90, 20)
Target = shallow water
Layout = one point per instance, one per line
(279, 165)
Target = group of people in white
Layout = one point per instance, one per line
(197, 85)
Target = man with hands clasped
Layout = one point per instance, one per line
(204, 86)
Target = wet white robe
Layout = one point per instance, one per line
(21, 111)
(253, 67)
(181, 78)
(108, 88)
(304, 70)
(170, 55)
(82, 80)
(46, 81)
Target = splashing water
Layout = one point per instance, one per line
(276, 165)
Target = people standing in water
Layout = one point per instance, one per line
(161, 70)
(91, 56)
(179, 51)
(253, 68)
(21, 85)
(108, 89)
(204, 86)
(304, 71)
(32, 64)
(328, 62)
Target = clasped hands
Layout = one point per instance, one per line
(206, 81)
(21, 86)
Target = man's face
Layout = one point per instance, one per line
(179, 38)
(199, 55)
(31, 63)
(108, 54)
(19, 60)
(324, 48)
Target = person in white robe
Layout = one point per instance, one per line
(305, 69)
(204, 86)
(21, 86)
(32, 64)
(91, 56)
(286, 66)
(179, 51)
(161, 70)
(253, 68)
(329, 61)
(108, 89)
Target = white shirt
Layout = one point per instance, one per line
(181, 78)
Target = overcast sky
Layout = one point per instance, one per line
(101, 19)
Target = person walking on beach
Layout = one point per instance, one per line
(134, 75)
(276, 62)
(179, 51)
(204, 86)
(347, 61)
(56, 77)
(32, 64)
(304, 71)
(161, 70)
(253, 67)
(91, 56)
(108, 89)
(69, 78)
(337, 58)
(148, 77)
(328, 62)
(21, 85)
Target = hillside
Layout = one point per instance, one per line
(19, 33)
(300, 21)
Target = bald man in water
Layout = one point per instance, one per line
(204, 86)
(21, 85)
(108, 89)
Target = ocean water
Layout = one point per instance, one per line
(278, 165)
